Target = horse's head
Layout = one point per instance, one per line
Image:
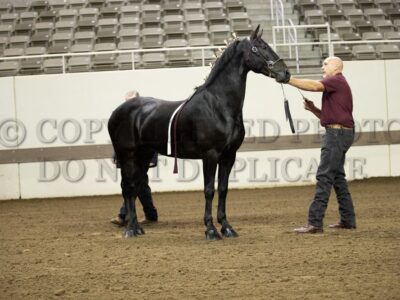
(260, 58)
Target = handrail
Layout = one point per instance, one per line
(293, 38)
(278, 14)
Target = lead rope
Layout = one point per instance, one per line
(287, 110)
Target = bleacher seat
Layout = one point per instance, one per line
(343, 51)
(96, 3)
(372, 36)
(354, 14)
(32, 65)
(38, 5)
(107, 61)
(67, 15)
(192, 8)
(47, 16)
(384, 4)
(197, 31)
(346, 4)
(6, 30)
(130, 11)
(363, 26)
(111, 12)
(129, 23)
(5, 8)
(124, 61)
(303, 5)
(19, 41)
(3, 43)
(177, 57)
(152, 37)
(23, 29)
(77, 4)
(9, 68)
(153, 60)
(219, 34)
(79, 64)
(40, 39)
(342, 26)
(374, 14)
(129, 35)
(64, 26)
(61, 39)
(43, 27)
(335, 15)
(151, 15)
(364, 52)
(19, 7)
(128, 45)
(9, 19)
(84, 37)
(351, 36)
(82, 47)
(384, 25)
(233, 6)
(240, 23)
(388, 51)
(323, 37)
(174, 26)
(195, 20)
(392, 35)
(366, 4)
(215, 13)
(172, 7)
(393, 13)
(53, 65)
(57, 49)
(327, 4)
(58, 4)
(28, 17)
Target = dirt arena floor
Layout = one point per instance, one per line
(67, 249)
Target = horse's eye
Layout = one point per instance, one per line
(254, 49)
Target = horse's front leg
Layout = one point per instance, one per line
(131, 180)
(224, 168)
(209, 168)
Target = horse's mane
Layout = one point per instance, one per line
(219, 65)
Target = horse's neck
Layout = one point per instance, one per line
(231, 82)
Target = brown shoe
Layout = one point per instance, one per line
(147, 221)
(341, 225)
(118, 221)
(309, 229)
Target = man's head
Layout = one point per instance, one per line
(131, 94)
(332, 66)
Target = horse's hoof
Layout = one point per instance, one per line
(129, 233)
(212, 235)
(228, 232)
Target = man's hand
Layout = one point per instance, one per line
(309, 105)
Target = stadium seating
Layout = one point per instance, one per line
(79, 26)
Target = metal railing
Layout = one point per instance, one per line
(65, 56)
(278, 14)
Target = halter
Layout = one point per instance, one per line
(270, 63)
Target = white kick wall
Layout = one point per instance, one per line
(72, 110)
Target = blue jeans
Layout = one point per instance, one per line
(335, 144)
(144, 195)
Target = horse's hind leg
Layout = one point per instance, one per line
(133, 174)
(224, 168)
(209, 168)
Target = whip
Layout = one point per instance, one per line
(287, 110)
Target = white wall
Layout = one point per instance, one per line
(78, 98)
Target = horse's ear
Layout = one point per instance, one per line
(255, 32)
(261, 33)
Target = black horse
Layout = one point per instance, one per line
(209, 127)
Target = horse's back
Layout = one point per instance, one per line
(141, 121)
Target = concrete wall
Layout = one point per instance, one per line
(72, 109)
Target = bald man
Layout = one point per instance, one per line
(336, 116)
